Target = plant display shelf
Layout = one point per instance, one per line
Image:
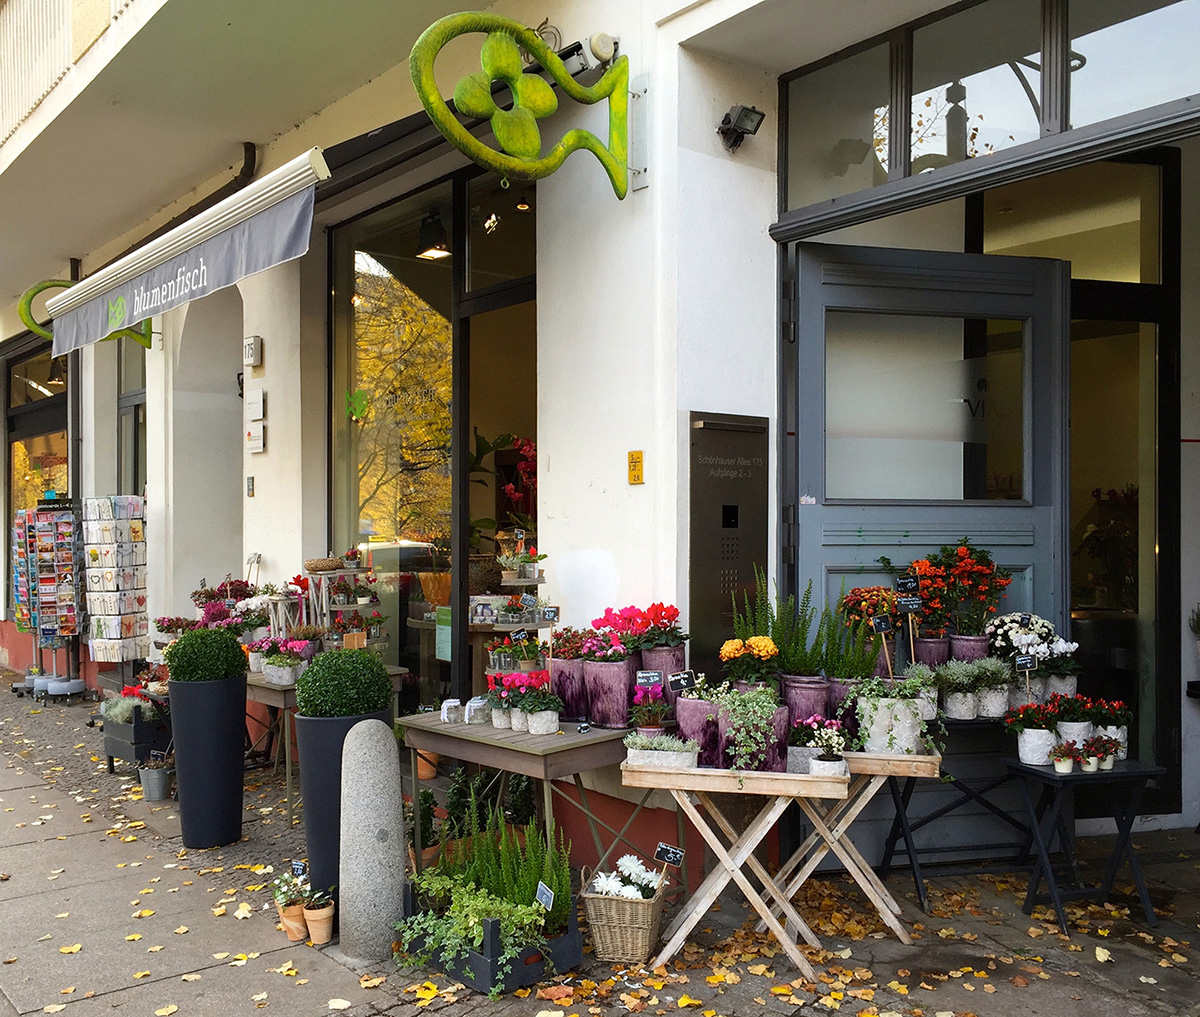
(523, 582)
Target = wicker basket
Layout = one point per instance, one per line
(323, 564)
(622, 929)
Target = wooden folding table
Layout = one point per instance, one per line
(780, 790)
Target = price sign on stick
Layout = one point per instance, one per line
(881, 624)
(649, 677)
(519, 635)
(528, 600)
(680, 681)
(908, 604)
(669, 854)
(545, 896)
(1025, 620)
(908, 584)
(1026, 662)
(550, 615)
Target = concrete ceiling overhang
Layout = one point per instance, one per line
(780, 35)
(173, 107)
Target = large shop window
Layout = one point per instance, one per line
(430, 292)
(976, 81)
(131, 418)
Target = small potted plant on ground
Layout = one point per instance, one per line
(801, 744)
(318, 915)
(661, 750)
(829, 761)
(1065, 755)
(1033, 725)
(649, 709)
(208, 720)
(155, 777)
(339, 689)
(290, 895)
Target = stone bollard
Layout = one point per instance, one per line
(372, 870)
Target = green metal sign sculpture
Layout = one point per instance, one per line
(116, 313)
(516, 129)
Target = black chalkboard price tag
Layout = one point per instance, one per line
(518, 534)
(680, 681)
(299, 869)
(545, 896)
(908, 605)
(669, 854)
(528, 600)
(1025, 620)
(649, 678)
(157, 754)
(519, 635)
(908, 584)
(881, 624)
(1026, 662)
(550, 615)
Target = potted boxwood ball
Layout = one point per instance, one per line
(207, 684)
(336, 691)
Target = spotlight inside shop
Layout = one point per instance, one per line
(432, 244)
(737, 123)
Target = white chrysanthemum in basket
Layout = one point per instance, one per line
(630, 891)
(631, 866)
(608, 883)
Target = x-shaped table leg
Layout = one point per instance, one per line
(730, 862)
(863, 876)
(779, 903)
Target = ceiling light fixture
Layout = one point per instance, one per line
(523, 204)
(432, 244)
(57, 377)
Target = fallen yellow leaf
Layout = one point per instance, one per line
(133, 937)
(153, 949)
(686, 1000)
(243, 911)
(71, 949)
(219, 911)
(166, 1011)
(67, 991)
(141, 974)
(220, 956)
(190, 977)
(63, 914)
(339, 1004)
(367, 982)
(1103, 955)
(144, 913)
(519, 993)
(54, 1007)
(181, 930)
(258, 997)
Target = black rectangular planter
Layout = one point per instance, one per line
(134, 742)
(480, 969)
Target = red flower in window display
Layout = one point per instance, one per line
(974, 585)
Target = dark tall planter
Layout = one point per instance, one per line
(208, 722)
(319, 741)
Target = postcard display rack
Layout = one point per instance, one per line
(46, 587)
(114, 533)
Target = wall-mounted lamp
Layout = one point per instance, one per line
(737, 123)
(432, 244)
(57, 377)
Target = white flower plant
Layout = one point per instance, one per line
(632, 880)
(1038, 638)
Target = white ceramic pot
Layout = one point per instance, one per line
(819, 767)
(1107, 762)
(1034, 745)
(674, 760)
(520, 720)
(890, 725)
(1077, 731)
(1064, 685)
(543, 722)
(273, 674)
(1090, 764)
(927, 704)
(799, 758)
(993, 702)
(363, 600)
(961, 705)
(1064, 765)
(1121, 734)
(1018, 695)
(501, 718)
(255, 661)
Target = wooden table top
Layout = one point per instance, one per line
(893, 764)
(544, 756)
(259, 690)
(753, 782)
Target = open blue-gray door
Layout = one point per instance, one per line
(924, 400)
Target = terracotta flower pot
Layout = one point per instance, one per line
(320, 924)
(292, 918)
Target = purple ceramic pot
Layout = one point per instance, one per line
(804, 695)
(668, 660)
(886, 651)
(934, 652)
(693, 716)
(610, 685)
(776, 758)
(968, 647)
(566, 681)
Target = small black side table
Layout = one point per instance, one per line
(1127, 781)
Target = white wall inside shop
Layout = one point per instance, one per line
(98, 417)
(194, 513)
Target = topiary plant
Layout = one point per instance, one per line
(343, 683)
(205, 655)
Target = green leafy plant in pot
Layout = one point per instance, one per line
(207, 683)
(336, 691)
